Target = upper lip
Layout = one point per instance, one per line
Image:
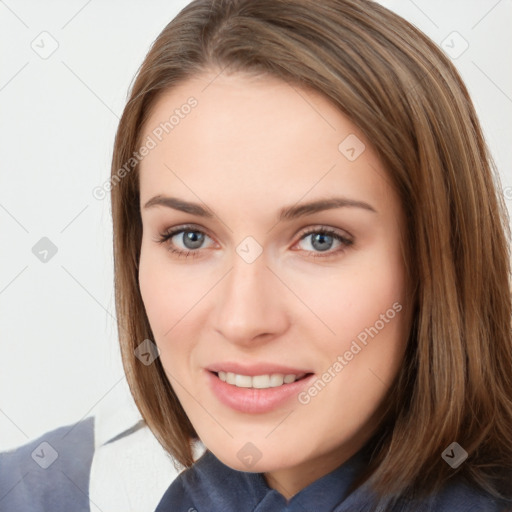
(255, 368)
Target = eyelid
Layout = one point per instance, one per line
(168, 233)
(323, 227)
(338, 234)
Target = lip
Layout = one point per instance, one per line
(253, 400)
(255, 369)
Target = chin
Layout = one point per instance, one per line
(255, 458)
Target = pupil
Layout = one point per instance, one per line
(322, 237)
(194, 238)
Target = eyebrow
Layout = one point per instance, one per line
(285, 214)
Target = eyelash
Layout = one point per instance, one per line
(167, 235)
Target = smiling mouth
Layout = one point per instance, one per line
(265, 381)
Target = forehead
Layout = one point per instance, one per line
(254, 136)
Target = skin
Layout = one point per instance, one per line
(252, 146)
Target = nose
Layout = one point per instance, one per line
(250, 304)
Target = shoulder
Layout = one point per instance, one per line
(465, 497)
(111, 460)
(456, 496)
(49, 473)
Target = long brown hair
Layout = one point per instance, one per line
(407, 98)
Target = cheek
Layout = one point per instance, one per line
(352, 298)
(174, 305)
(167, 295)
(158, 302)
(372, 338)
(360, 362)
(363, 306)
(162, 307)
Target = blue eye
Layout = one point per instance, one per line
(322, 240)
(191, 238)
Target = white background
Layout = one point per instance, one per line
(58, 343)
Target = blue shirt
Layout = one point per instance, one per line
(211, 486)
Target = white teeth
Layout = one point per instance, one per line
(243, 381)
(276, 379)
(261, 381)
(258, 381)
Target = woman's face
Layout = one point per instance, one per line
(287, 268)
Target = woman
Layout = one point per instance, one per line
(370, 373)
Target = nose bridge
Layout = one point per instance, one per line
(249, 303)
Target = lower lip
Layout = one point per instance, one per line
(253, 400)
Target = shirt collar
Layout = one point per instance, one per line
(213, 483)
